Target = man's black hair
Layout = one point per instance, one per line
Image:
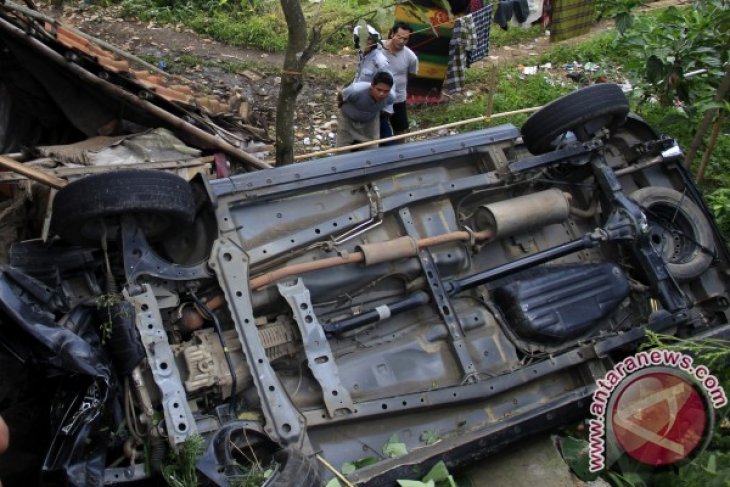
(400, 25)
(383, 77)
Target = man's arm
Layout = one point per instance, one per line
(412, 62)
(347, 91)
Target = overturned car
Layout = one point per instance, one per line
(461, 293)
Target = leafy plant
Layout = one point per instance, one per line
(618, 10)
(499, 37)
(713, 353)
(438, 476)
(349, 467)
(575, 454)
(180, 469)
(106, 303)
(394, 448)
(259, 23)
(719, 201)
(429, 437)
(664, 48)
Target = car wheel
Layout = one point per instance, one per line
(583, 112)
(162, 203)
(679, 231)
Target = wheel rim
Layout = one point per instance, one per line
(673, 234)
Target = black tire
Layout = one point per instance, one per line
(293, 468)
(679, 231)
(583, 112)
(162, 202)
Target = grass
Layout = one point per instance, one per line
(262, 26)
(259, 24)
(513, 35)
(264, 30)
(514, 91)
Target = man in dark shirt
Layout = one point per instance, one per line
(360, 105)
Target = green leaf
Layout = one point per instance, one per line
(415, 483)
(349, 467)
(575, 453)
(624, 21)
(437, 473)
(394, 448)
(634, 479)
(430, 437)
(712, 464)
(333, 483)
(654, 69)
(709, 105)
(364, 462)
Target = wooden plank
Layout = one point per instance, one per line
(79, 171)
(32, 173)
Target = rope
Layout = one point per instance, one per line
(486, 118)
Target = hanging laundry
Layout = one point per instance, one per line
(504, 13)
(463, 41)
(482, 23)
(570, 18)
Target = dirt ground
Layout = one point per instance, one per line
(170, 46)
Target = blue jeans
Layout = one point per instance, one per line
(385, 129)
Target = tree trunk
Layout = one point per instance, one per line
(291, 80)
(722, 90)
(291, 85)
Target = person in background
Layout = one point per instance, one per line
(402, 62)
(373, 60)
(360, 104)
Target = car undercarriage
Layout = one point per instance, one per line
(460, 293)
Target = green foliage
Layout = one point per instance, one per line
(619, 10)
(254, 476)
(259, 23)
(106, 303)
(429, 437)
(575, 454)
(664, 47)
(713, 353)
(499, 37)
(514, 91)
(599, 48)
(710, 469)
(180, 470)
(394, 448)
(440, 476)
(719, 201)
(349, 467)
